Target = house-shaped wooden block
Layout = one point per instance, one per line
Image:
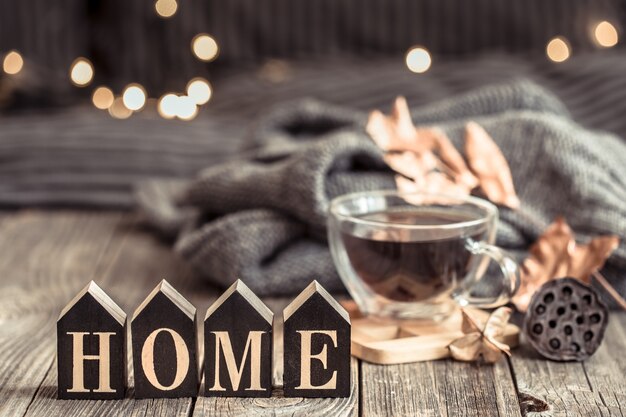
(238, 345)
(163, 334)
(91, 340)
(317, 345)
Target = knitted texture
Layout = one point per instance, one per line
(262, 218)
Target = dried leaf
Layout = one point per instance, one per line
(494, 329)
(419, 153)
(395, 132)
(589, 258)
(548, 258)
(488, 163)
(412, 165)
(468, 348)
(556, 254)
(452, 161)
(497, 321)
(469, 324)
(483, 343)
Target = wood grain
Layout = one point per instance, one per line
(37, 253)
(47, 257)
(406, 341)
(592, 388)
(278, 405)
(30, 298)
(141, 262)
(438, 388)
(606, 369)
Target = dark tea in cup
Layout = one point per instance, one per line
(416, 255)
(405, 268)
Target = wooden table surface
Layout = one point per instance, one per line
(47, 257)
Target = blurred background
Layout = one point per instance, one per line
(96, 95)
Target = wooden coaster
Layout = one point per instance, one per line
(388, 342)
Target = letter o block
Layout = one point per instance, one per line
(163, 334)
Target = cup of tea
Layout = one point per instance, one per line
(418, 255)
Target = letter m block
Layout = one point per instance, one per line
(238, 345)
(91, 351)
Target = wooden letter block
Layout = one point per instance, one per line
(163, 334)
(317, 345)
(238, 345)
(91, 340)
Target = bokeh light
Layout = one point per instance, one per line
(167, 106)
(102, 98)
(166, 8)
(134, 97)
(558, 49)
(199, 90)
(171, 106)
(13, 63)
(606, 34)
(186, 108)
(81, 72)
(204, 47)
(118, 110)
(418, 59)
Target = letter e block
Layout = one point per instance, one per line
(238, 345)
(163, 334)
(316, 345)
(91, 354)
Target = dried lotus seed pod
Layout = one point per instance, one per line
(566, 320)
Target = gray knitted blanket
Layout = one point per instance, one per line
(262, 217)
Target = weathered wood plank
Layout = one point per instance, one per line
(141, 263)
(38, 248)
(400, 390)
(475, 389)
(278, 405)
(438, 388)
(606, 369)
(38, 252)
(562, 385)
(48, 256)
(46, 404)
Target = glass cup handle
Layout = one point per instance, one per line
(510, 277)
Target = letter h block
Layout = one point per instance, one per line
(91, 354)
(164, 343)
(316, 345)
(238, 345)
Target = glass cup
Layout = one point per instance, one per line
(418, 255)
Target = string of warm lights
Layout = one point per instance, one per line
(134, 97)
(183, 106)
(558, 49)
(198, 92)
